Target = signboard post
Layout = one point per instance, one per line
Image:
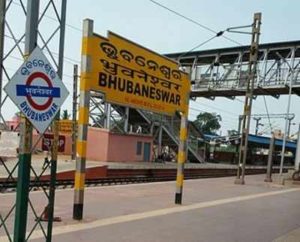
(22, 195)
(47, 142)
(132, 76)
(38, 92)
(66, 126)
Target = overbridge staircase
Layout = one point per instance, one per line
(150, 122)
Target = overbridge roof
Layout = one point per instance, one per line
(264, 142)
(229, 55)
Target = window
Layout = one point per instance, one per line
(139, 148)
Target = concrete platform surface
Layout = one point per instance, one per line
(212, 210)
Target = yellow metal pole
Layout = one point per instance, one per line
(82, 125)
(182, 156)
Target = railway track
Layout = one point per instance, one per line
(122, 177)
(10, 186)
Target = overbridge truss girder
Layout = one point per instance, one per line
(223, 72)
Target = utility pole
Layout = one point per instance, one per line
(257, 124)
(289, 126)
(249, 95)
(26, 134)
(287, 113)
(297, 159)
(74, 111)
(237, 148)
(270, 159)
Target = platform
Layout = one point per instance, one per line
(212, 210)
(66, 164)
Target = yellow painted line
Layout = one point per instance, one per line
(81, 148)
(84, 45)
(84, 81)
(79, 181)
(179, 180)
(88, 43)
(181, 157)
(151, 214)
(183, 134)
(83, 115)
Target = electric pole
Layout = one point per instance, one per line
(257, 125)
(249, 96)
(74, 111)
(287, 113)
(289, 126)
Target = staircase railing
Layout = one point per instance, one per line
(171, 125)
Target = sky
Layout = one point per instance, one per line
(154, 27)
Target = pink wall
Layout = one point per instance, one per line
(123, 147)
(12, 124)
(103, 145)
(97, 144)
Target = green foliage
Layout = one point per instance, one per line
(208, 123)
(65, 115)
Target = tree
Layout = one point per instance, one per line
(65, 115)
(208, 123)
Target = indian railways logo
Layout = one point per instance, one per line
(39, 105)
(37, 90)
(33, 92)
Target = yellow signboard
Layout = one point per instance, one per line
(65, 126)
(131, 75)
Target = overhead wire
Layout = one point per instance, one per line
(54, 19)
(197, 46)
(68, 59)
(20, 59)
(198, 111)
(201, 111)
(222, 110)
(217, 34)
(201, 44)
(254, 104)
(194, 21)
(267, 111)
